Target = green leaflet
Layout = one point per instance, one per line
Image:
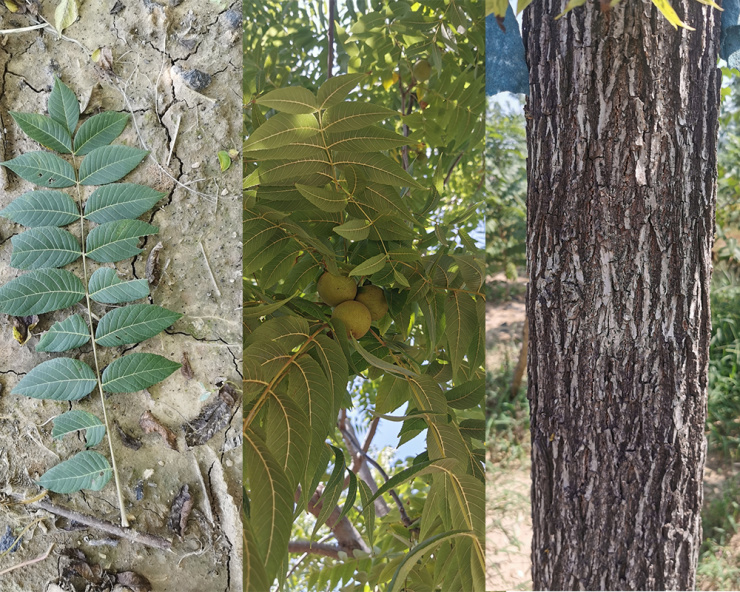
(75, 421)
(109, 163)
(86, 470)
(133, 324)
(100, 130)
(115, 241)
(336, 89)
(350, 116)
(42, 208)
(354, 230)
(282, 129)
(42, 168)
(370, 266)
(135, 372)
(287, 436)
(61, 379)
(294, 99)
(45, 246)
(467, 395)
(40, 291)
(271, 503)
(325, 198)
(120, 201)
(377, 168)
(370, 139)
(63, 106)
(332, 490)
(368, 510)
(44, 130)
(409, 561)
(255, 577)
(462, 323)
(105, 286)
(68, 334)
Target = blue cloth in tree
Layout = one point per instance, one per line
(729, 48)
(506, 68)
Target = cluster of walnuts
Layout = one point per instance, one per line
(355, 306)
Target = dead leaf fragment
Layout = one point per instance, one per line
(22, 327)
(103, 58)
(186, 368)
(180, 510)
(153, 270)
(127, 439)
(214, 416)
(133, 581)
(150, 424)
(65, 14)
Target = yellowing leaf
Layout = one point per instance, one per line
(497, 7)
(570, 6)
(668, 12)
(224, 160)
(65, 14)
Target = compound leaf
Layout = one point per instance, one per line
(40, 291)
(86, 470)
(109, 163)
(45, 246)
(63, 106)
(135, 372)
(106, 287)
(42, 168)
(42, 208)
(115, 241)
(133, 324)
(75, 421)
(99, 130)
(60, 379)
(68, 334)
(45, 131)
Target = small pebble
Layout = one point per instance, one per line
(161, 463)
(195, 165)
(233, 19)
(196, 79)
(7, 540)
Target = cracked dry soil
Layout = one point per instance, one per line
(154, 46)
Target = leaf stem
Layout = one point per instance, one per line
(124, 520)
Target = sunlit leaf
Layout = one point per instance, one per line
(106, 287)
(133, 324)
(60, 379)
(86, 470)
(44, 130)
(135, 372)
(42, 208)
(42, 168)
(290, 100)
(64, 335)
(44, 246)
(77, 420)
(99, 130)
(40, 291)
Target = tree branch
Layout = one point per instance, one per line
(323, 549)
(330, 52)
(344, 531)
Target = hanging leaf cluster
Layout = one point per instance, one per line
(108, 231)
(329, 191)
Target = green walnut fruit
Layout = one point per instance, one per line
(374, 298)
(355, 316)
(335, 289)
(422, 70)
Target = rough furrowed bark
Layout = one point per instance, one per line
(622, 136)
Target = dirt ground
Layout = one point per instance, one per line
(153, 46)
(508, 521)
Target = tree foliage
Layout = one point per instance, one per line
(374, 175)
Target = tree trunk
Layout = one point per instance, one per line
(622, 137)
